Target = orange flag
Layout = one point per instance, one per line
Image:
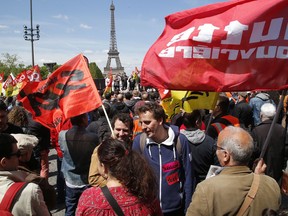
(69, 91)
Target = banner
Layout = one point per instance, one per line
(69, 91)
(8, 85)
(173, 101)
(231, 46)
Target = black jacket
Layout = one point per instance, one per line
(274, 156)
(244, 113)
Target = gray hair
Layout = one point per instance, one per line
(240, 152)
(268, 111)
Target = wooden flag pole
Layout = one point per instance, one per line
(265, 146)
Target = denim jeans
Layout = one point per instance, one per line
(71, 199)
(60, 182)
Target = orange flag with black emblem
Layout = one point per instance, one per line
(69, 91)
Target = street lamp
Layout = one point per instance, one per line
(31, 34)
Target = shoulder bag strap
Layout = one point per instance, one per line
(112, 201)
(12, 192)
(250, 196)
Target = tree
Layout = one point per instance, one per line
(44, 72)
(10, 63)
(95, 71)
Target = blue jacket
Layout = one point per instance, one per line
(176, 180)
(256, 103)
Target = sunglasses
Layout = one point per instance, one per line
(17, 154)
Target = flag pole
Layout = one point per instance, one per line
(209, 121)
(211, 116)
(265, 146)
(108, 120)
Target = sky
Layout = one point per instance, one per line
(71, 27)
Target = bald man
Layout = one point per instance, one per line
(225, 193)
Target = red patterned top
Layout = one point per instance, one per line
(92, 202)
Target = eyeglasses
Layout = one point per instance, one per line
(17, 154)
(218, 147)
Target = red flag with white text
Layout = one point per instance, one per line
(8, 86)
(231, 46)
(21, 79)
(34, 74)
(69, 91)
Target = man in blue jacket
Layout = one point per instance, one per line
(168, 153)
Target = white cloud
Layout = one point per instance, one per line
(61, 16)
(3, 27)
(46, 60)
(87, 51)
(85, 26)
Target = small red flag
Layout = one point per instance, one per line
(69, 91)
(34, 74)
(2, 77)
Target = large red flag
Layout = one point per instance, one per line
(232, 46)
(67, 92)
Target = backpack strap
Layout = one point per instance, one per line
(143, 138)
(250, 195)
(13, 191)
(179, 146)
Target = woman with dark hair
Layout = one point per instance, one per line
(19, 117)
(130, 180)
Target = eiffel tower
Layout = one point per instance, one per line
(113, 52)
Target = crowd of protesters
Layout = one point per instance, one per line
(99, 155)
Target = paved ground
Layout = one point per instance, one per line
(60, 208)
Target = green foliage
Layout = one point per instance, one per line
(95, 71)
(44, 72)
(56, 67)
(10, 63)
(92, 68)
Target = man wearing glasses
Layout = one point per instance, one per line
(30, 201)
(225, 193)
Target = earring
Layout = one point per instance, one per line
(105, 176)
